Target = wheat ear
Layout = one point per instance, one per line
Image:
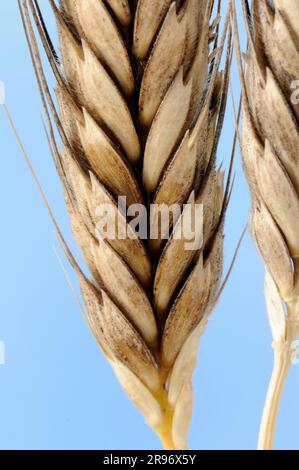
(270, 145)
(141, 106)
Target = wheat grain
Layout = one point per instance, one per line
(270, 144)
(141, 109)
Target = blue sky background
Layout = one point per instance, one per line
(56, 389)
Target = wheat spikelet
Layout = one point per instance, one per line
(141, 106)
(270, 144)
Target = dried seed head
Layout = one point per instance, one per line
(141, 109)
(271, 139)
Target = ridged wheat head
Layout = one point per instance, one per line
(270, 144)
(141, 109)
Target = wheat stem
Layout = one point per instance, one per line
(283, 353)
(281, 367)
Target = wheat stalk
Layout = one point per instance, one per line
(270, 144)
(141, 109)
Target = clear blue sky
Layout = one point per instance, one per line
(56, 389)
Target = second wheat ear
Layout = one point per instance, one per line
(141, 107)
(270, 145)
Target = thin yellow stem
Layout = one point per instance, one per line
(164, 430)
(282, 361)
(165, 436)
